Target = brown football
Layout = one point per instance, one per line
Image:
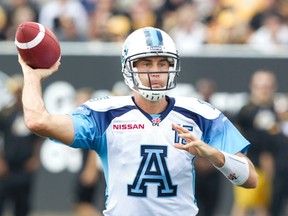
(37, 45)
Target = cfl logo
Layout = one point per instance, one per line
(156, 121)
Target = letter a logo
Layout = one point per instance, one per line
(153, 169)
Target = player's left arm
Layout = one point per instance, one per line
(252, 179)
(237, 168)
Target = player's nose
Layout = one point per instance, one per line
(155, 68)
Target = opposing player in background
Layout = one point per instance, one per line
(19, 157)
(147, 142)
(258, 121)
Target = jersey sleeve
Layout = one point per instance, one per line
(224, 136)
(87, 134)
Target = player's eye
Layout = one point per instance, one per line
(164, 64)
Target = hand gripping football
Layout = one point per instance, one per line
(37, 45)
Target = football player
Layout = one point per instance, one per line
(147, 142)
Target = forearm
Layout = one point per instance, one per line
(238, 169)
(37, 118)
(33, 104)
(216, 157)
(230, 165)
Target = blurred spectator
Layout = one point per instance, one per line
(142, 15)
(67, 18)
(99, 18)
(66, 30)
(282, 9)
(121, 89)
(90, 184)
(230, 19)
(19, 11)
(19, 159)
(40, 3)
(270, 34)
(257, 20)
(13, 4)
(207, 177)
(280, 186)
(226, 28)
(118, 28)
(205, 8)
(3, 22)
(206, 88)
(244, 10)
(89, 5)
(167, 13)
(189, 33)
(258, 122)
(19, 15)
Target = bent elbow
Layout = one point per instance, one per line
(252, 182)
(34, 124)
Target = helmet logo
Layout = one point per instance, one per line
(153, 37)
(124, 54)
(156, 48)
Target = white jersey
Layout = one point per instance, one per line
(145, 173)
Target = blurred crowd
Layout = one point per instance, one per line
(190, 22)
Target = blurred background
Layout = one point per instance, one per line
(223, 41)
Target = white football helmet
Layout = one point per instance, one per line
(149, 42)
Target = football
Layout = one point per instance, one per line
(37, 45)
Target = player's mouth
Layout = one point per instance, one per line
(156, 85)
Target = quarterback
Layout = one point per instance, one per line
(147, 142)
